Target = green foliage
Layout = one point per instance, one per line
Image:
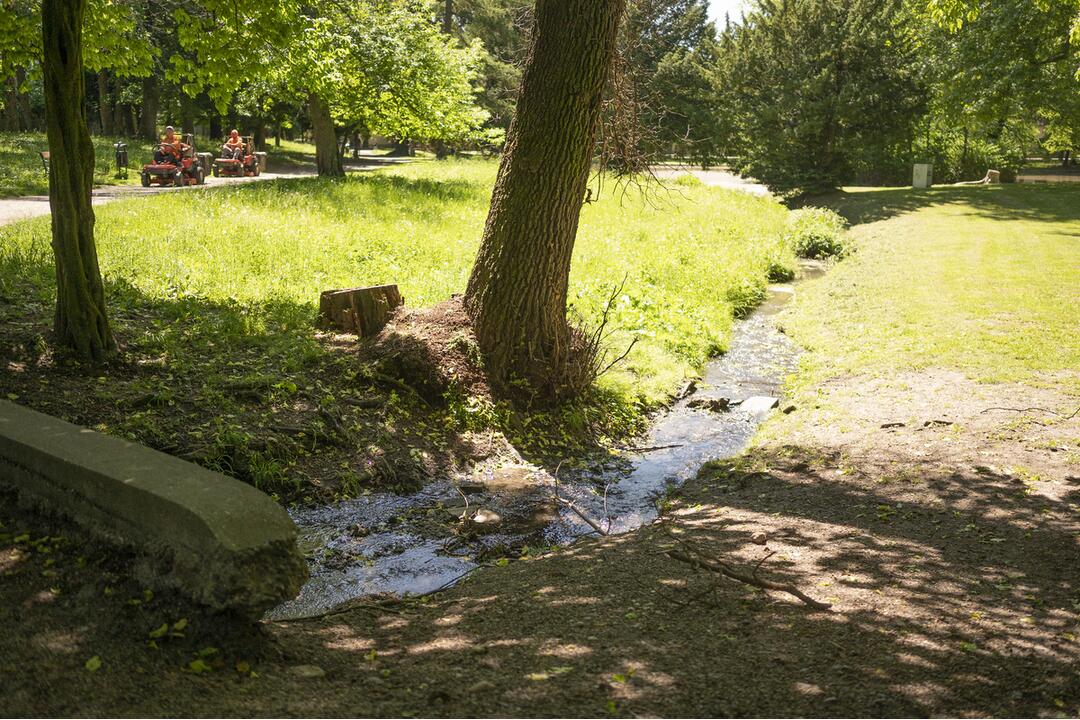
(820, 88)
(379, 64)
(111, 38)
(671, 52)
(815, 232)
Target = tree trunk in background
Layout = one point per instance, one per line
(517, 291)
(327, 159)
(104, 104)
(187, 113)
(448, 17)
(22, 100)
(151, 100)
(80, 322)
(260, 135)
(365, 139)
(215, 128)
(11, 115)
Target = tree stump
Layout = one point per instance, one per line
(363, 311)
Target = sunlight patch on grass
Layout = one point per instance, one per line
(692, 257)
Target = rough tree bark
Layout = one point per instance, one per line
(517, 291)
(327, 159)
(80, 320)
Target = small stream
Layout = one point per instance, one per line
(415, 544)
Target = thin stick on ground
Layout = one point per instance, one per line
(695, 558)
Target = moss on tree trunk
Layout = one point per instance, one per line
(80, 320)
(517, 291)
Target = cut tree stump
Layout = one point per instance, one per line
(363, 311)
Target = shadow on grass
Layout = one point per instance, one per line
(1000, 202)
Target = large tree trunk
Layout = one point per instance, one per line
(80, 321)
(517, 291)
(151, 99)
(104, 104)
(327, 159)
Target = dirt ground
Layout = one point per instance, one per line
(945, 534)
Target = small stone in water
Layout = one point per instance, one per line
(759, 404)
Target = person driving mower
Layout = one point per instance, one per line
(171, 149)
(233, 149)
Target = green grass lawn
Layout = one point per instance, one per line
(691, 258)
(213, 295)
(21, 172)
(984, 280)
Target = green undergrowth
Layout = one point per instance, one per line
(213, 294)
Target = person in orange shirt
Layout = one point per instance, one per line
(171, 148)
(233, 148)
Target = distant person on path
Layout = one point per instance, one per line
(171, 148)
(233, 149)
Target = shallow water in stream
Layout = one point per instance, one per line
(406, 544)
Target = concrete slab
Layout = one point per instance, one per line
(217, 540)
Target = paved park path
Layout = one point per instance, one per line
(714, 178)
(30, 206)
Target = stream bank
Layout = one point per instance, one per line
(384, 543)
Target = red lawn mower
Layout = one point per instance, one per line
(172, 167)
(247, 165)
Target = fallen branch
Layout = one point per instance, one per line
(1031, 409)
(730, 572)
(592, 523)
(559, 499)
(651, 448)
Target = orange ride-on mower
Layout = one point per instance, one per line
(247, 165)
(174, 167)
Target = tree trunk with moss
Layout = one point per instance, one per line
(327, 160)
(517, 291)
(80, 322)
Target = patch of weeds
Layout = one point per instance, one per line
(816, 233)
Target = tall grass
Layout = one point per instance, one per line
(689, 258)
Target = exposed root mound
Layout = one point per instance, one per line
(432, 350)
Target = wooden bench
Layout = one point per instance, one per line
(45, 161)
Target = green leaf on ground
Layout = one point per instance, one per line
(93, 664)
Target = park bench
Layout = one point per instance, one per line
(45, 161)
